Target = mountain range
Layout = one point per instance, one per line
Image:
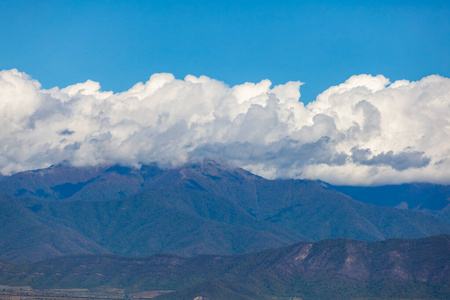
(429, 198)
(198, 208)
(328, 269)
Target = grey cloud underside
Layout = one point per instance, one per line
(400, 161)
(288, 154)
(67, 132)
(283, 154)
(363, 131)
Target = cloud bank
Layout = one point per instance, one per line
(365, 131)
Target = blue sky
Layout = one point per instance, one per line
(119, 43)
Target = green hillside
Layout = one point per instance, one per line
(203, 208)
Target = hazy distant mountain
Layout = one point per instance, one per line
(425, 197)
(329, 269)
(203, 208)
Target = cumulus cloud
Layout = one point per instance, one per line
(363, 131)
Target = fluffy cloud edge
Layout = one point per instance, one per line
(365, 131)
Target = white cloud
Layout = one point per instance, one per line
(363, 131)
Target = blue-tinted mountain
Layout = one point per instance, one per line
(425, 197)
(200, 208)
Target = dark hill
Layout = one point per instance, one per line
(329, 269)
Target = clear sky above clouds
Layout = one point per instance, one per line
(376, 92)
(320, 43)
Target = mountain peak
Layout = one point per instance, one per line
(216, 170)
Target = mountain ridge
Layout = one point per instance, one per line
(337, 268)
(429, 198)
(199, 208)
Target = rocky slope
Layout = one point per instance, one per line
(338, 269)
